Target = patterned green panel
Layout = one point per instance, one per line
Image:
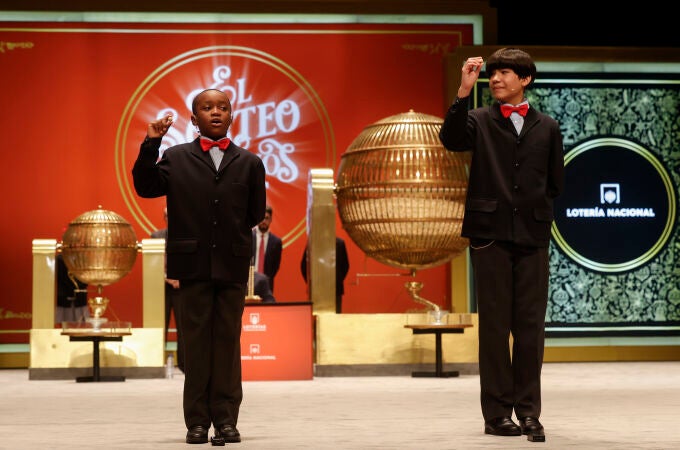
(645, 109)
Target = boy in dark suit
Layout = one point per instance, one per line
(215, 194)
(517, 170)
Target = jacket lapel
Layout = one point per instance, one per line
(230, 154)
(198, 152)
(530, 120)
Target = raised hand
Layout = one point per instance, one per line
(159, 127)
(469, 75)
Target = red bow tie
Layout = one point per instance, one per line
(207, 144)
(506, 110)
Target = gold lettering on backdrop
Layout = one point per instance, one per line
(439, 48)
(14, 45)
(6, 314)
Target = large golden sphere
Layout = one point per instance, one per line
(99, 247)
(401, 194)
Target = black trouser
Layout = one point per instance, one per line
(210, 316)
(511, 284)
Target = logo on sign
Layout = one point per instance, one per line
(610, 193)
(618, 207)
(254, 323)
(277, 115)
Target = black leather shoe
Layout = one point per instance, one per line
(502, 426)
(197, 434)
(217, 441)
(227, 432)
(532, 428)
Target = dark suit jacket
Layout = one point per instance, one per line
(272, 255)
(160, 234)
(211, 212)
(262, 289)
(513, 181)
(341, 266)
(66, 288)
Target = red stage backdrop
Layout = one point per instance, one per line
(76, 99)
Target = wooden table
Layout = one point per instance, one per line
(438, 330)
(96, 337)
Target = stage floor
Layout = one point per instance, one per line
(626, 405)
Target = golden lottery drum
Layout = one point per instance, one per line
(99, 247)
(401, 194)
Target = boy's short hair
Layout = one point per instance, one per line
(512, 58)
(194, 101)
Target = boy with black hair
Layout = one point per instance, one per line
(516, 171)
(215, 194)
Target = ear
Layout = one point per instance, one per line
(193, 120)
(525, 81)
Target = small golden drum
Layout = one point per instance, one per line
(99, 247)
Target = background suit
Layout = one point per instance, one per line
(272, 255)
(171, 304)
(261, 288)
(341, 270)
(71, 296)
